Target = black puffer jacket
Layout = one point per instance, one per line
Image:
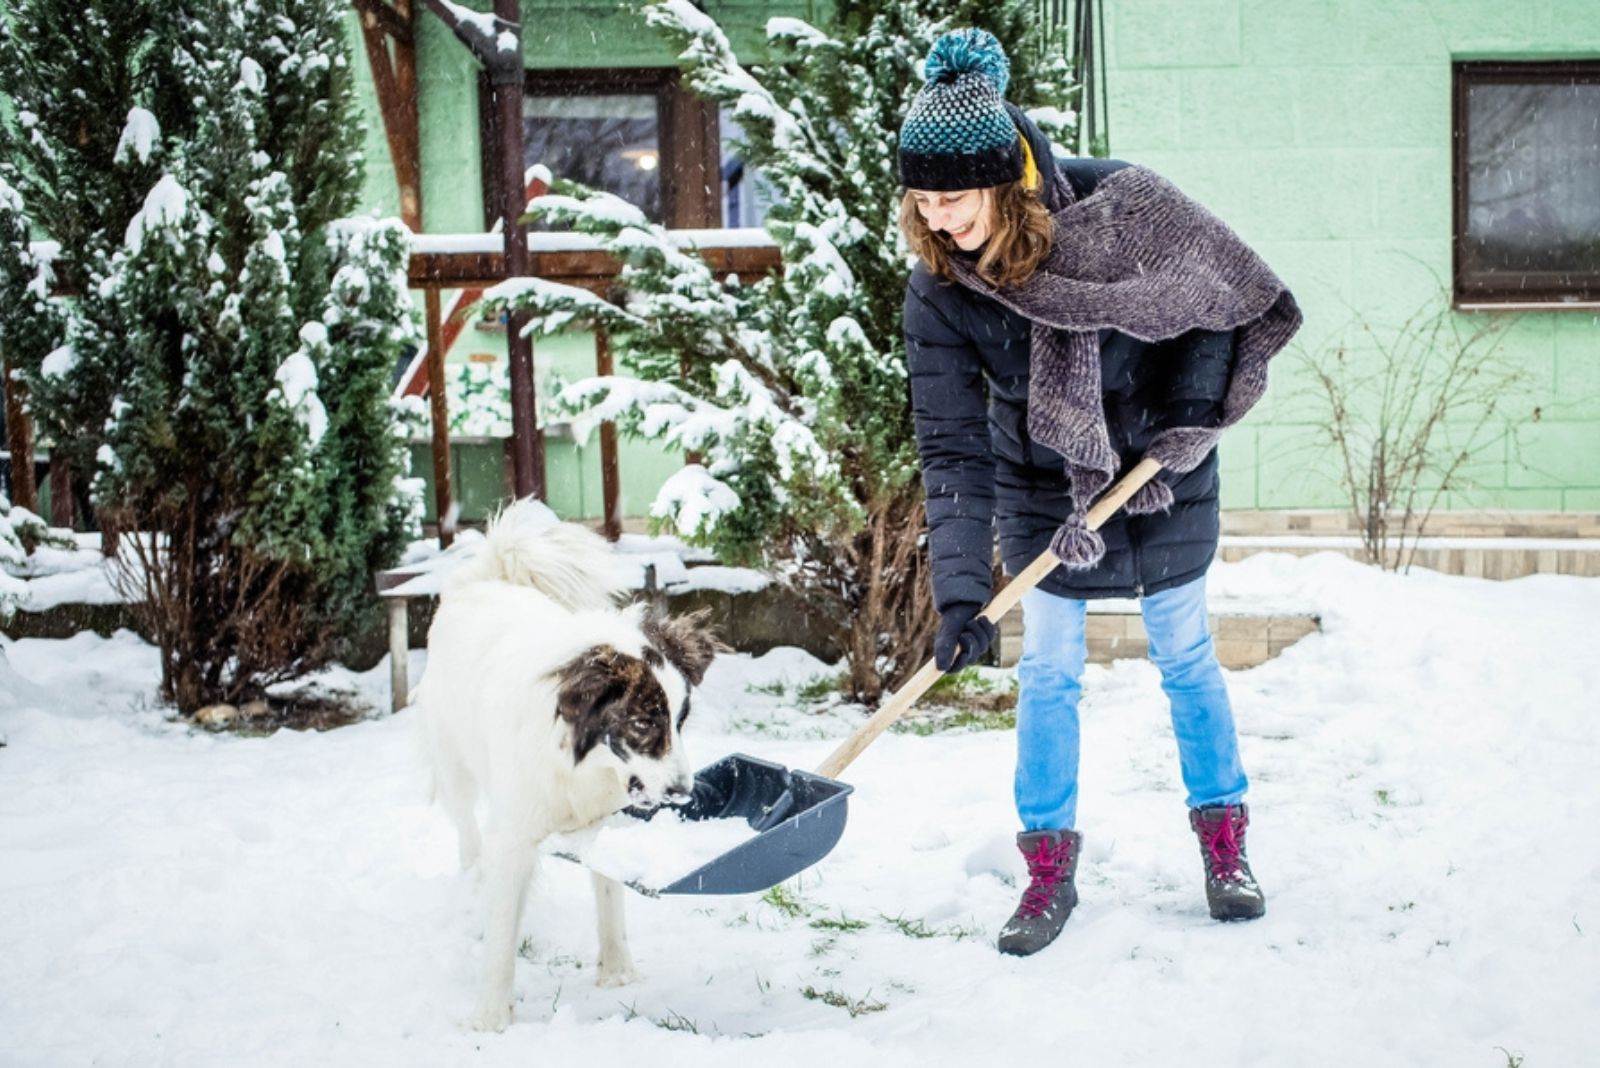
(968, 359)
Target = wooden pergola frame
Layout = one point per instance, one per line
(389, 33)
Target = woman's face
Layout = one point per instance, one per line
(965, 214)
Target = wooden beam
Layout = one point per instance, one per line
(395, 79)
(591, 269)
(395, 23)
(408, 162)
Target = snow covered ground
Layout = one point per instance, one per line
(1426, 824)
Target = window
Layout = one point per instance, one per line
(633, 132)
(1527, 182)
(608, 141)
(746, 194)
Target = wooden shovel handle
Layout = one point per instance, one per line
(901, 701)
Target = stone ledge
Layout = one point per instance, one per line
(1440, 524)
(1242, 640)
(1480, 557)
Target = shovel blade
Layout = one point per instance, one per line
(745, 787)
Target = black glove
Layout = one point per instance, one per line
(963, 636)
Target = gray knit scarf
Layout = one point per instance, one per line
(1138, 256)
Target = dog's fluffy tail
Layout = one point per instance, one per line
(526, 545)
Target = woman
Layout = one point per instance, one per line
(1056, 332)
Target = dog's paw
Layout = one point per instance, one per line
(496, 1017)
(615, 974)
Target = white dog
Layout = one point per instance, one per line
(555, 707)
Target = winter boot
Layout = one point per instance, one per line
(1231, 890)
(1052, 858)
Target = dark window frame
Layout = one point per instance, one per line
(1469, 292)
(690, 140)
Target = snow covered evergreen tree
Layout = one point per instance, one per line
(226, 356)
(793, 389)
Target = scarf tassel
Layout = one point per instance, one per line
(1154, 496)
(1076, 545)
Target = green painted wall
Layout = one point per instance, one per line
(1321, 131)
(559, 35)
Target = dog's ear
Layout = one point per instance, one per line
(686, 641)
(589, 683)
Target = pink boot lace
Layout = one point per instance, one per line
(1047, 866)
(1224, 842)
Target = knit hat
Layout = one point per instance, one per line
(958, 134)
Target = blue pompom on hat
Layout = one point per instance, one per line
(958, 134)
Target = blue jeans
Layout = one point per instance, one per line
(1049, 677)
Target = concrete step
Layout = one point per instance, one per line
(1114, 630)
(1495, 545)
(1476, 557)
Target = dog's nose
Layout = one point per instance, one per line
(679, 792)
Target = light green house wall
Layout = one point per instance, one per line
(1321, 131)
(556, 35)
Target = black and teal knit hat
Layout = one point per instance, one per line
(957, 134)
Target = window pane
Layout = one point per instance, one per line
(606, 142)
(1533, 186)
(746, 194)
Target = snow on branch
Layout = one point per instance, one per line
(554, 306)
(693, 500)
(716, 72)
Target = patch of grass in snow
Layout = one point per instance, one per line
(784, 730)
(676, 1021)
(785, 900)
(820, 688)
(672, 1021)
(918, 928)
(970, 699)
(854, 1006)
(937, 722)
(1513, 1060)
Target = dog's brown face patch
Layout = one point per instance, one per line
(610, 697)
(686, 642)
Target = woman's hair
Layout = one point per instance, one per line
(1019, 240)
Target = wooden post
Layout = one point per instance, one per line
(399, 653)
(507, 80)
(442, 497)
(61, 504)
(611, 524)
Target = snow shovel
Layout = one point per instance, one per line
(800, 815)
